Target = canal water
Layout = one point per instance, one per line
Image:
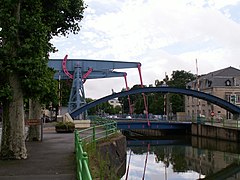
(187, 158)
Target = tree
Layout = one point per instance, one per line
(117, 109)
(124, 103)
(137, 101)
(178, 79)
(93, 110)
(65, 91)
(155, 103)
(26, 28)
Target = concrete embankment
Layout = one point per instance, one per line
(217, 132)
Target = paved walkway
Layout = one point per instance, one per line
(51, 159)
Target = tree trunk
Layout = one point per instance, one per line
(13, 132)
(34, 132)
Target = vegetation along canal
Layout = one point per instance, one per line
(182, 158)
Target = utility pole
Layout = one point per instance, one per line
(166, 98)
(198, 88)
(59, 93)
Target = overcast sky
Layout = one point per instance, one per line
(163, 35)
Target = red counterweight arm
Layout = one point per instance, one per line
(64, 67)
(87, 74)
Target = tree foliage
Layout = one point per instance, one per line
(29, 35)
(124, 103)
(26, 28)
(179, 79)
(65, 86)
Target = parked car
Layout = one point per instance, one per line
(128, 117)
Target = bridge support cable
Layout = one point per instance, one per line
(128, 164)
(145, 164)
(129, 100)
(144, 97)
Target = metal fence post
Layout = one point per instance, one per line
(86, 173)
(106, 129)
(94, 134)
(97, 134)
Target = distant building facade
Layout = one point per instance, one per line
(224, 83)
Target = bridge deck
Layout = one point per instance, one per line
(143, 124)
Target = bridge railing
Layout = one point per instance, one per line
(214, 121)
(86, 136)
(219, 121)
(98, 120)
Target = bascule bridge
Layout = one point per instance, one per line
(79, 70)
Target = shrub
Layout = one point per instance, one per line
(65, 127)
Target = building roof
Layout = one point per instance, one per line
(220, 77)
(226, 72)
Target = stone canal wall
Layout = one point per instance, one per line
(155, 132)
(114, 154)
(148, 132)
(216, 132)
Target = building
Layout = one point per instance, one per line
(224, 83)
(114, 102)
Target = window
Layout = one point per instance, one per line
(228, 82)
(209, 83)
(238, 98)
(203, 112)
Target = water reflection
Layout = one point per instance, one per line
(170, 160)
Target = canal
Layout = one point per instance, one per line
(182, 158)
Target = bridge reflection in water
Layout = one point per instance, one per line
(187, 158)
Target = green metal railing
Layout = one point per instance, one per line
(90, 135)
(97, 132)
(97, 120)
(83, 172)
(231, 123)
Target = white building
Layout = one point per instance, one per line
(114, 102)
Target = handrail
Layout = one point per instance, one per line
(97, 132)
(220, 122)
(89, 135)
(83, 172)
